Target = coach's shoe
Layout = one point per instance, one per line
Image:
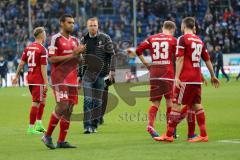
(87, 131)
(152, 131)
(39, 127)
(31, 130)
(48, 142)
(165, 138)
(199, 139)
(93, 130)
(64, 145)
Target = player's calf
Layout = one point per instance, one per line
(152, 113)
(174, 119)
(200, 115)
(38, 125)
(64, 126)
(32, 119)
(191, 121)
(40, 111)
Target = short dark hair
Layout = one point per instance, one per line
(93, 19)
(189, 22)
(169, 25)
(63, 17)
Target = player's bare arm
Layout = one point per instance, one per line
(44, 75)
(20, 67)
(215, 82)
(111, 75)
(58, 59)
(143, 46)
(179, 66)
(144, 61)
(76, 52)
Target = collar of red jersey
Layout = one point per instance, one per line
(66, 37)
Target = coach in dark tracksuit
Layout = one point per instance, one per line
(97, 66)
(219, 62)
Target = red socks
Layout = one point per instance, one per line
(152, 112)
(184, 112)
(52, 124)
(33, 115)
(168, 113)
(190, 114)
(174, 119)
(36, 113)
(191, 120)
(201, 122)
(40, 111)
(64, 126)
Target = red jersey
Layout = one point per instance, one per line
(63, 72)
(162, 48)
(35, 56)
(192, 48)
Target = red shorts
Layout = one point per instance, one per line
(160, 88)
(37, 93)
(189, 94)
(64, 93)
(160, 82)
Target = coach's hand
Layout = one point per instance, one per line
(178, 83)
(111, 75)
(215, 82)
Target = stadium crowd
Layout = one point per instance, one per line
(217, 25)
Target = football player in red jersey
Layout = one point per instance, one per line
(162, 47)
(188, 111)
(188, 79)
(64, 52)
(35, 56)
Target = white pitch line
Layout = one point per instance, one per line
(235, 141)
(25, 95)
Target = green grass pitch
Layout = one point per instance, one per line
(123, 136)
